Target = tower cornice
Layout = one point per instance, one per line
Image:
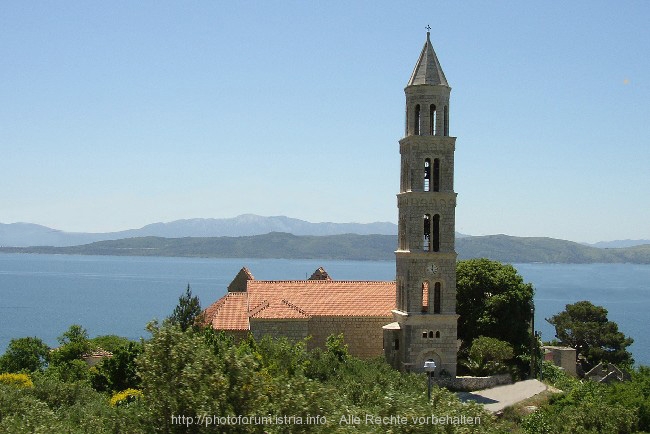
(427, 140)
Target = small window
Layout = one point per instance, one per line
(436, 298)
(438, 334)
(426, 239)
(432, 120)
(416, 126)
(436, 174)
(396, 344)
(430, 334)
(446, 121)
(427, 174)
(435, 244)
(424, 334)
(425, 296)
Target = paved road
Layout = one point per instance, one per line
(498, 398)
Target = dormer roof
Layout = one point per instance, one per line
(428, 69)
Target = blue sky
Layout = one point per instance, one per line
(118, 114)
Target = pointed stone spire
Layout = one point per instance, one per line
(428, 69)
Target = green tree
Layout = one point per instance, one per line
(487, 356)
(585, 327)
(187, 311)
(25, 354)
(109, 342)
(118, 372)
(493, 301)
(74, 344)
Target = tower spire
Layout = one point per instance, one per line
(428, 70)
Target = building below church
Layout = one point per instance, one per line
(317, 307)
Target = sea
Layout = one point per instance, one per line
(42, 295)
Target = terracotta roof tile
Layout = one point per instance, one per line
(277, 299)
(229, 312)
(328, 297)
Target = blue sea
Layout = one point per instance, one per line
(42, 295)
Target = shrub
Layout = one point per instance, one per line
(18, 380)
(125, 397)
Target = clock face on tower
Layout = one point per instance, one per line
(432, 268)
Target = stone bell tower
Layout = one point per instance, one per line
(425, 315)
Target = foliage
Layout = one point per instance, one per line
(125, 397)
(487, 356)
(110, 343)
(556, 376)
(17, 380)
(74, 344)
(25, 354)
(182, 376)
(493, 301)
(586, 406)
(117, 372)
(586, 328)
(187, 311)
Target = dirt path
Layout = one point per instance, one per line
(498, 398)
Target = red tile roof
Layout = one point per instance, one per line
(301, 299)
(229, 312)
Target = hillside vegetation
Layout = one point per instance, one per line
(281, 245)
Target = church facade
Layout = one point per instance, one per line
(410, 320)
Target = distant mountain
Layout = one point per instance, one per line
(26, 234)
(619, 243)
(505, 248)
(350, 247)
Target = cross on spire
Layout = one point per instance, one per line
(428, 27)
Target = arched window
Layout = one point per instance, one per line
(426, 239)
(396, 344)
(424, 334)
(430, 334)
(432, 119)
(427, 174)
(435, 243)
(436, 299)
(416, 125)
(446, 120)
(425, 296)
(436, 174)
(437, 334)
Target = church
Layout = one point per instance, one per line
(410, 320)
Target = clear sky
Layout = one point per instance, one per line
(118, 114)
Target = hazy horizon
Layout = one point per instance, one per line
(325, 221)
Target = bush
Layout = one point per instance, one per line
(487, 356)
(17, 380)
(125, 397)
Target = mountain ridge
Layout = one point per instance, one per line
(280, 245)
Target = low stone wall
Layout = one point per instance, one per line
(468, 384)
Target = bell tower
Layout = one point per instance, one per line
(425, 314)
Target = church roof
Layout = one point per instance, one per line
(301, 299)
(428, 69)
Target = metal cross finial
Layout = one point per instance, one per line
(428, 27)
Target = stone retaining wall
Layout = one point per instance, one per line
(467, 384)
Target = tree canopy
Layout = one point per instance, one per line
(493, 301)
(585, 327)
(25, 354)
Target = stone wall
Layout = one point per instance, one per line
(467, 384)
(293, 329)
(363, 335)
